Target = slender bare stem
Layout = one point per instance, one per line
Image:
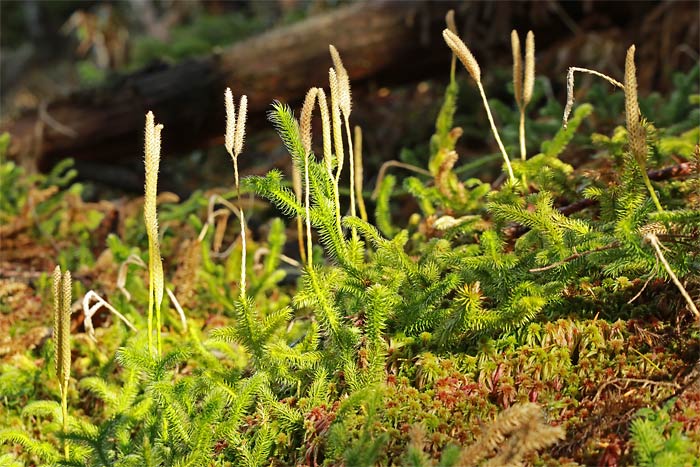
(654, 240)
(358, 180)
(570, 88)
(234, 139)
(243, 254)
(385, 166)
(307, 204)
(495, 131)
(523, 150)
(353, 212)
(652, 193)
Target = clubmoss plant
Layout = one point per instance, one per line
(472, 66)
(395, 344)
(297, 144)
(336, 96)
(62, 301)
(150, 215)
(358, 178)
(636, 133)
(328, 129)
(636, 128)
(344, 103)
(650, 234)
(523, 84)
(234, 137)
(305, 128)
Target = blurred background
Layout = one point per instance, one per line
(77, 77)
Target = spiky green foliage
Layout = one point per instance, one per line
(555, 146)
(287, 126)
(396, 344)
(43, 450)
(658, 441)
(382, 213)
(443, 140)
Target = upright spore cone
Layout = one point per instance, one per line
(230, 121)
(240, 125)
(635, 130)
(463, 53)
(56, 289)
(345, 105)
(465, 56)
(235, 129)
(450, 21)
(65, 327)
(152, 164)
(326, 128)
(150, 216)
(517, 67)
(62, 301)
(335, 114)
(305, 119)
(529, 78)
(636, 133)
(344, 94)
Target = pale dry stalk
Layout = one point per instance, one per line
(570, 88)
(337, 137)
(326, 128)
(306, 114)
(328, 151)
(345, 105)
(234, 139)
(654, 240)
(523, 80)
(359, 173)
(150, 214)
(244, 248)
(178, 308)
(89, 311)
(385, 166)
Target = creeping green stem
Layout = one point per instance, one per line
(652, 193)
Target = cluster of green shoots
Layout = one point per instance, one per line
(386, 290)
(62, 302)
(523, 87)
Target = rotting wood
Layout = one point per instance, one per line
(105, 123)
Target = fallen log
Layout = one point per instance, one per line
(104, 124)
